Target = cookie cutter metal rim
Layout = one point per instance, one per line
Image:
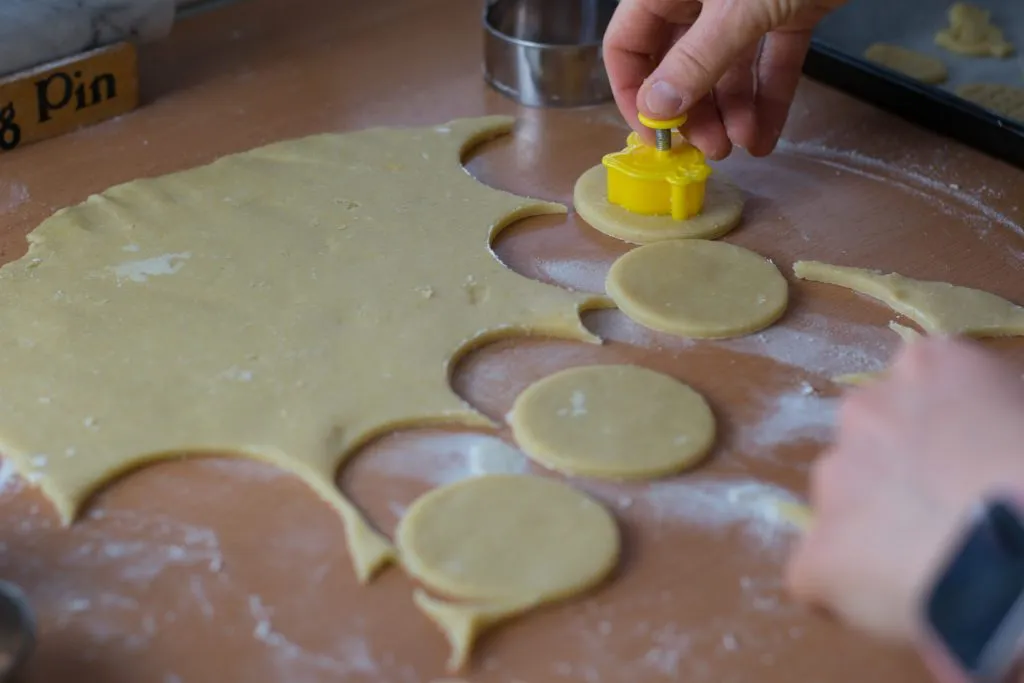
(542, 74)
(17, 628)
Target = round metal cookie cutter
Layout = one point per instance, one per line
(17, 630)
(547, 53)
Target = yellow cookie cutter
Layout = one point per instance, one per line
(667, 179)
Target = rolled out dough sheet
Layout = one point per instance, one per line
(505, 543)
(288, 303)
(722, 211)
(938, 307)
(613, 422)
(698, 288)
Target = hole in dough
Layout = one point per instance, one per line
(698, 288)
(723, 208)
(613, 422)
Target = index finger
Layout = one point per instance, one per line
(634, 38)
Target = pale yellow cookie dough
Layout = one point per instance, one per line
(698, 288)
(907, 334)
(289, 304)
(972, 33)
(799, 515)
(917, 65)
(613, 422)
(723, 208)
(506, 543)
(857, 379)
(1005, 100)
(938, 307)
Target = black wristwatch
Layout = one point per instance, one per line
(974, 609)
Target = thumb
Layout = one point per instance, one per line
(697, 61)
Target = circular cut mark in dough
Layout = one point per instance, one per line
(613, 422)
(508, 537)
(698, 288)
(723, 208)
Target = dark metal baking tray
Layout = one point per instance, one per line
(836, 59)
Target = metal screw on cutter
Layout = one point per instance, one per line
(663, 139)
(663, 130)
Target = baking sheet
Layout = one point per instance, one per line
(914, 23)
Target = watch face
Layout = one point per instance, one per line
(976, 607)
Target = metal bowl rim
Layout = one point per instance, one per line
(501, 35)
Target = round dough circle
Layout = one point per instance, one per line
(508, 536)
(698, 288)
(723, 208)
(613, 422)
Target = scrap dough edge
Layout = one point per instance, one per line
(876, 284)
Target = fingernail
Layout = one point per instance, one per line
(663, 100)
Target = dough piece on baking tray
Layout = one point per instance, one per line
(1005, 100)
(917, 65)
(972, 33)
(613, 422)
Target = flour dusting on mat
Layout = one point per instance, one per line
(613, 325)
(914, 183)
(354, 657)
(13, 196)
(74, 591)
(827, 347)
(581, 275)
(793, 416)
(719, 504)
(10, 481)
(447, 458)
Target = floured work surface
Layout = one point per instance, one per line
(230, 570)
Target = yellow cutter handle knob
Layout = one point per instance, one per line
(663, 129)
(662, 124)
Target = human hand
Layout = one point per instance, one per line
(707, 58)
(913, 454)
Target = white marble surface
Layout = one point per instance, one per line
(34, 32)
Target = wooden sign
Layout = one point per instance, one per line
(56, 98)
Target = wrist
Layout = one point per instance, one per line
(971, 612)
